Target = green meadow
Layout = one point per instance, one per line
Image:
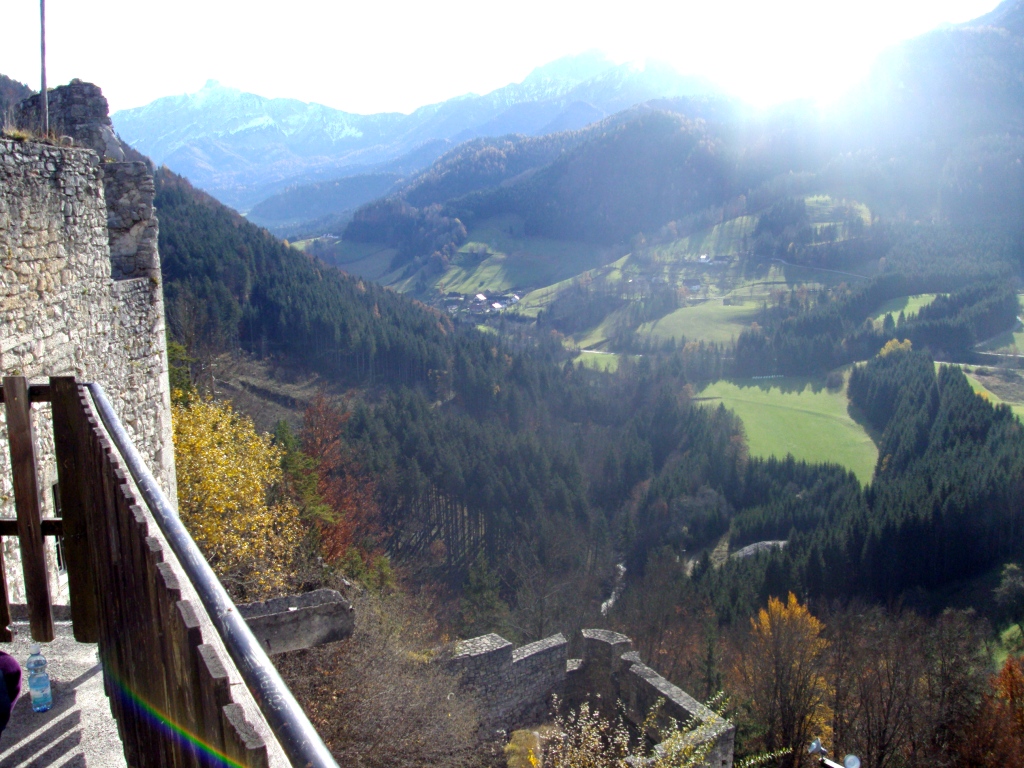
(800, 417)
(730, 238)
(823, 209)
(599, 361)
(599, 335)
(494, 260)
(711, 320)
(536, 300)
(908, 305)
(369, 260)
(1008, 343)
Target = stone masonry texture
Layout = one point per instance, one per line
(77, 110)
(80, 291)
(515, 686)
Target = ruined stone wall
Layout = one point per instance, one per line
(78, 110)
(514, 687)
(132, 226)
(61, 311)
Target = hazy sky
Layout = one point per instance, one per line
(382, 55)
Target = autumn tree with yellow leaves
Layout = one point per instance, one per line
(779, 674)
(230, 499)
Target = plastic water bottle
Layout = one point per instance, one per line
(38, 680)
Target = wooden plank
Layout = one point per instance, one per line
(93, 515)
(241, 741)
(186, 664)
(37, 393)
(117, 598)
(51, 526)
(26, 503)
(169, 595)
(147, 628)
(158, 687)
(70, 442)
(115, 632)
(132, 618)
(214, 694)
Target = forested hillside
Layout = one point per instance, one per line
(829, 331)
(629, 178)
(308, 205)
(946, 502)
(483, 447)
(231, 285)
(11, 92)
(495, 442)
(544, 448)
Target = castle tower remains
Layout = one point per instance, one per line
(80, 288)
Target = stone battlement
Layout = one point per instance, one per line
(78, 110)
(515, 686)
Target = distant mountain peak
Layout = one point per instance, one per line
(571, 69)
(1008, 15)
(210, 89)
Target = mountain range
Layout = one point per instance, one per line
(934, 134)
(242, 148)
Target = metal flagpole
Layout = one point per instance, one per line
(42, 54)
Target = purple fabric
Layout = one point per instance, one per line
(9, 691)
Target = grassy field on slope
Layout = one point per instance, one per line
(729, 238)
(823, 209)
(711, 321)
(797, 416)
(494, 260)
(369, 260)
(1011, 342)
(599, 361)
(1010, 392)
(1008, 343)
(908, 305)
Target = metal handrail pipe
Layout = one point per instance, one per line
(299, 740)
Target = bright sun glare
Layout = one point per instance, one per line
(372, 57)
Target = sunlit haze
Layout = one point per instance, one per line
(375, 57)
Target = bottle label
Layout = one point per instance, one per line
(39, 691)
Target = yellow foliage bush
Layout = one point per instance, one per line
(781, 673)
(228, 475)
(895, 346)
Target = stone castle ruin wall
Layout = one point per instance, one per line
(514, 687)
(80, 290)
(79, 111)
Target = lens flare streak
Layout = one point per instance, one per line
(212, 756)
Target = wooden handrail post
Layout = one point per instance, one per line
(5, 607)
(71, 441)
(26, 502)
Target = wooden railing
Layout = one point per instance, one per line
(187, 682)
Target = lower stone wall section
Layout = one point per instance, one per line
(515, 687)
